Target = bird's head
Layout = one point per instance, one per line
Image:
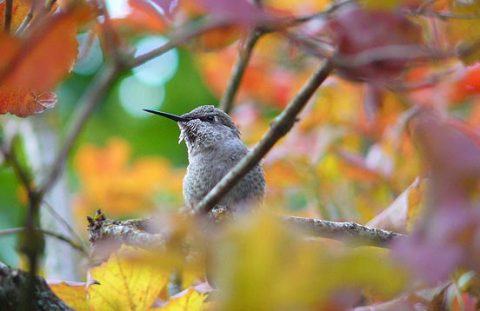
(205, 124)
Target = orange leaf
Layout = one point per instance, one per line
(39, 64)
(73, 294)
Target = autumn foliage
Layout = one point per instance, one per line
(390, 140)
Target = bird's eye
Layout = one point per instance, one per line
(210, 118)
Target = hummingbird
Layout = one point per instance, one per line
(214, 147)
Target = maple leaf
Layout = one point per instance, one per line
(125, 283)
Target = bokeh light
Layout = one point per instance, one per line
(160, 69)
(136, 95)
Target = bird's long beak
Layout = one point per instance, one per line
(170, 116)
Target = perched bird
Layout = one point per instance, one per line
(214, 147)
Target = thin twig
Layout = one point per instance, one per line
(58, 236)
(64, 222)
(26, 21)
(111, 39)
(323, 14)
(226, 103)
(8, 15)
(87, 104)
(279, 128)
(245, 53)
(28, 18)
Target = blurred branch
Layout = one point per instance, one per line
(34, 7)
(323, 14)
(191, 31)
(12, 282)
(111, 38)
(31, 245)
(427, 11)
(279, 128)
(342, 230)
(19, 171)
(64, 222)
(58, 236)
(8, 15)
(26, 21)
(97, 90)
(226, 103)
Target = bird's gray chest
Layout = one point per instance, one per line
(206, 169)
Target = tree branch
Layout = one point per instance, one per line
(226, 103)
(130, 232)
(279, 128)
(134, 232)
(55, 235)
(11, 284)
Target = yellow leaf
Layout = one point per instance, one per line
(382, 4)
(190, 301)
(73, 294)
(126, 283)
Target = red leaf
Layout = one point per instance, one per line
(358, 33)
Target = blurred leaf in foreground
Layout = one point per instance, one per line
(262, 266)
